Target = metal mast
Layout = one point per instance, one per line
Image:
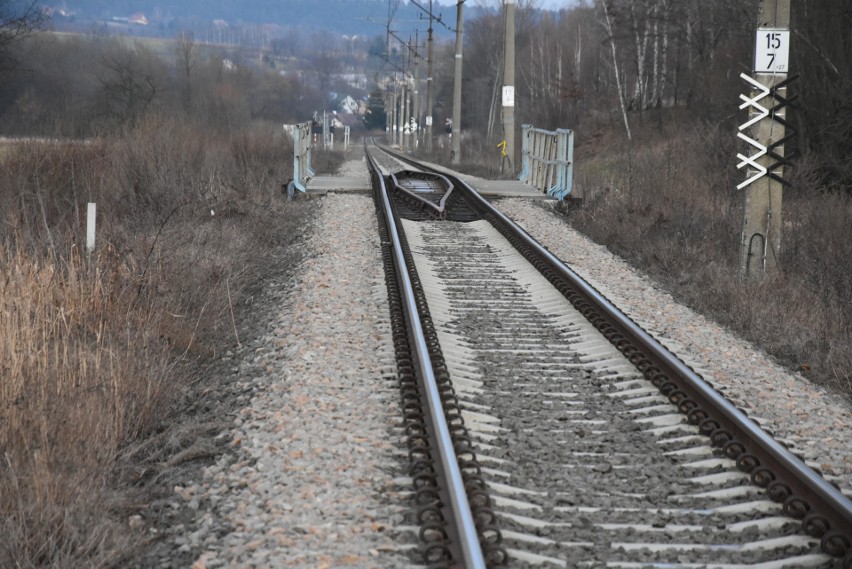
(457, 85)
(430, 89)
(509, 82)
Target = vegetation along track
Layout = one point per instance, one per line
(581, 441)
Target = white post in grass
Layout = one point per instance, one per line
(90, 228)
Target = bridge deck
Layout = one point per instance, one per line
(321, 185)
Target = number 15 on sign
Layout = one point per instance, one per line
(772, 51)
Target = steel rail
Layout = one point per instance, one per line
(825, 511)
(439, 208)
(821, 491)
(463, 517)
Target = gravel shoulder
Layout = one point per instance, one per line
(818, 422)
(305, 473)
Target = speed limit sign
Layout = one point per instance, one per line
(772, 51)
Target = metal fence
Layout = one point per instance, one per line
(547, 160)
(302, 170)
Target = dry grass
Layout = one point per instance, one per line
(669, 206)
(96, 351)
(83, 372)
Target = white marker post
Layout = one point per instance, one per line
(90, 227)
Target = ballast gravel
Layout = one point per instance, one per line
(309, 477)
(816, 422)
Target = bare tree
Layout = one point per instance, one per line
(324, 60)
(483, 73)
(17, 21)
(187, 56)
(823, 55)
(607, 24)
(131, 80)
(661, 51)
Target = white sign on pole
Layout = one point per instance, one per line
(508, 96)
(772, 51)
(90, 227)
(428, 120)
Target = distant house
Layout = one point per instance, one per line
(353, 121)
(138, 19)
(349, 105)
(354, 80)
(52, 12)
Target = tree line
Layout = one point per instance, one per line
(82, 86)
(631, 62)
(623, 62)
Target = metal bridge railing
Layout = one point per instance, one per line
(302, 170)
(547, 160)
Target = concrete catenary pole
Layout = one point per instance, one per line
(761, 236)
(457, 85)
(394, 114)
(509, 82)
(404, 108)
(415, 93)
(430, 88)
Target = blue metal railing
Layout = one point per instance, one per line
(302, 170)
(547, 160)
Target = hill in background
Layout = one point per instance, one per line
(157, 17)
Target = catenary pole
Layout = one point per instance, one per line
(430, 88)
(760, 243)
(394, 112)
(457, 85)
(415, 94)
(404, 108)
(509, 82)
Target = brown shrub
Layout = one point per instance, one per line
(669, 206)
(83, 373)
(96, 351)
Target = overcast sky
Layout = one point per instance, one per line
(551, 4)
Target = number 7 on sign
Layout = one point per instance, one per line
(772, 51)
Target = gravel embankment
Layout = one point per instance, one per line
(308, 480)
(818, 422)
(311, 475)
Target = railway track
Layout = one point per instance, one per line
(581, 442)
